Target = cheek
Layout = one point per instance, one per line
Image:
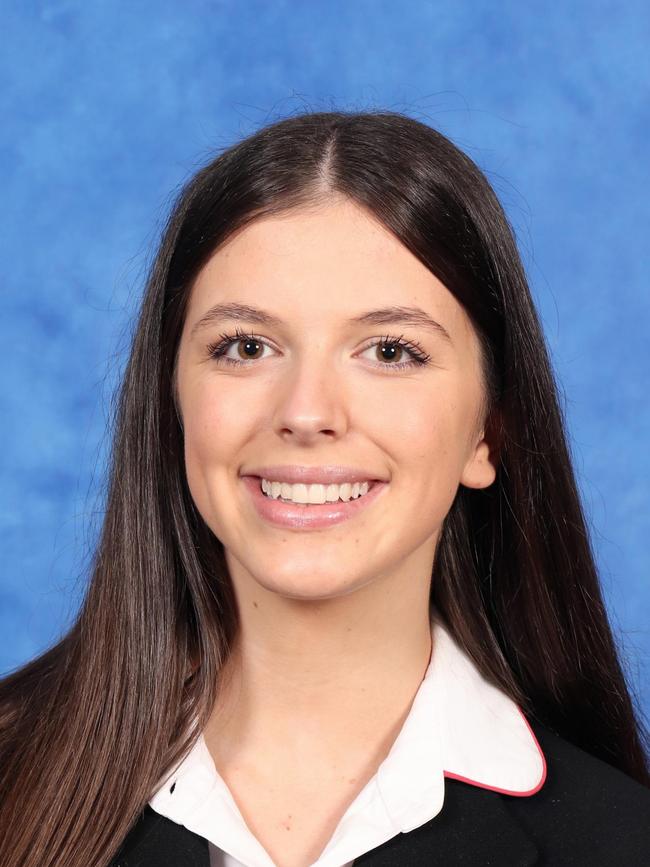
(215, 428)
(215, 420)
(428, 439)
(429, 427)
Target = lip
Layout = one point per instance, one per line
(324, 475)
(311, 517)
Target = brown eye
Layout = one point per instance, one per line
(248, 347)
(391, 352)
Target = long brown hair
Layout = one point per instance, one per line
(88, 728)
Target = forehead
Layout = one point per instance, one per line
(338, 224)
(334, 259)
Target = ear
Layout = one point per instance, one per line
(480, 469)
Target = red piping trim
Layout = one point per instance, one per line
(532, 791)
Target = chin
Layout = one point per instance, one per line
(309, 588)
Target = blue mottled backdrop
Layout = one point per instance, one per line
(107, 107)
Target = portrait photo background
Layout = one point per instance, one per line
(107, 108)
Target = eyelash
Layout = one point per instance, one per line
(218, 349)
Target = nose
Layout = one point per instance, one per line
(312, 404)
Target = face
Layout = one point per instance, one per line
(316, 388)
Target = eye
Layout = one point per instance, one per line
(248, 347)
(387, 349)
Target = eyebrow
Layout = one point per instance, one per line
(394, 315)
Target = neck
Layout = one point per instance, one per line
(328, 678)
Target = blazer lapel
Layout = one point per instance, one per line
(156, 841)
(473, 827)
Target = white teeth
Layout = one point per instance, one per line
(314, 494)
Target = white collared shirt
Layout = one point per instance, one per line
(459, 726)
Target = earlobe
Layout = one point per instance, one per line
(481, 469)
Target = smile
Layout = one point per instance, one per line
(305, 514)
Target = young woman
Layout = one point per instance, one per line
(344, 607)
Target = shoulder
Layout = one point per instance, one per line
(586, 808)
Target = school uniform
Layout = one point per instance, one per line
(469, 780)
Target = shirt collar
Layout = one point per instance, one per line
(459, 726)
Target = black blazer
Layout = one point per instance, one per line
(587, 814)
